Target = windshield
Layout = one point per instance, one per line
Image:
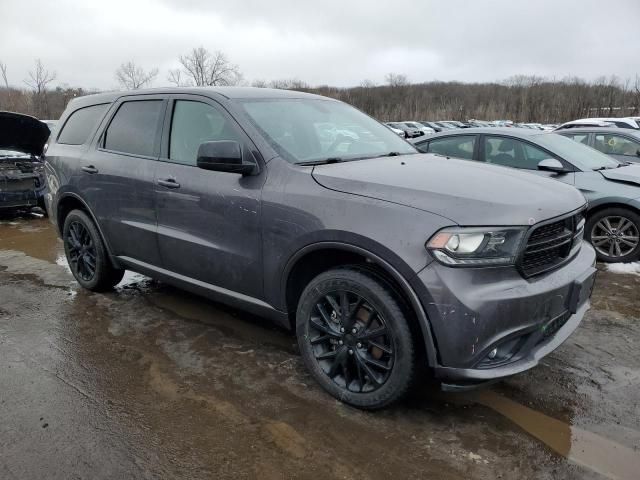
(586, 158)
(308, 130)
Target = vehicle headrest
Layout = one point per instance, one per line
(506, 145)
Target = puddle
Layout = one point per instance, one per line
(591, 451)
(37, 238)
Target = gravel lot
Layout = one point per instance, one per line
(151, 382)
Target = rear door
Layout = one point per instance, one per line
(208, 221)
(117, 178)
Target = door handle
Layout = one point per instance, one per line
(169, 183)
(89, 169)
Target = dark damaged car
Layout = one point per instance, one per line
(381, 259)
(22, 141)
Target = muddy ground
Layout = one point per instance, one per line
(151, 382)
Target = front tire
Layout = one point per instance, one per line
(355, 339)
(615, 234)
(87, 255)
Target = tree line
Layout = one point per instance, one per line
(519, 98)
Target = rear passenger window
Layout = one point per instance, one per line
(80, 124)
(459, 147)
(134, 128)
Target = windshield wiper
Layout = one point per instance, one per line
(597, 169)
(324, 161)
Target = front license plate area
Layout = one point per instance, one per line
(582, 290)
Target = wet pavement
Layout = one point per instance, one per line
(151, 382)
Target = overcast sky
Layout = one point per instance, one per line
(336, 42)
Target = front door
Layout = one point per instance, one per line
(117, 178)
(208, 222)
(516, 153)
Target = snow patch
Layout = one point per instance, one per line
(632, 268)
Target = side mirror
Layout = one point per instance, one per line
(223, 156)
(552, 165)
(638, 152)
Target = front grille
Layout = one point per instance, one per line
(549, 245)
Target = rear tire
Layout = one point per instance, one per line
(355, 339)
(615, 234)
(86, 254)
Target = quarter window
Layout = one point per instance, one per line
(510, 152)
(617, 145)
(80, 124)
(194, 123)
(134, 128)
(459, 146)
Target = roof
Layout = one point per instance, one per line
(513, 132)
(227, 92)
(610, 130)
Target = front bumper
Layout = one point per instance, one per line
(476, 311)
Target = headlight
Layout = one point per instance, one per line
(481, 246)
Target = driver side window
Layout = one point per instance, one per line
(194, 123)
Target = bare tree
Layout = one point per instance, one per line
(258, 83)
(175, 76)
(396, 79)
(3, 71)
(208, 69)
(39, 78)
(132, 77)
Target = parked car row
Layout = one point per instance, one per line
(611, 183)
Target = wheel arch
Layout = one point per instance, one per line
(613, 203)
(315, 258)
(70, 201)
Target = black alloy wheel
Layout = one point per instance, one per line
(86, 253)
(351, 341)
(355, 339)
(82, 252)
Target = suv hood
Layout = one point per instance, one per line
(628, 174)
(466, 192)
(23, 133)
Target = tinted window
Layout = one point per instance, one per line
(510, 152)
(80, 124)
(458, 147)
(617, 145)
(194, 123)
(579, 137)
(134, 128)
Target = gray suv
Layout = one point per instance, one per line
(381, 262)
